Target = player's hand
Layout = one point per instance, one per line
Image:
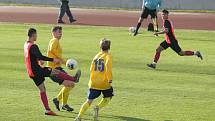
(41, 62)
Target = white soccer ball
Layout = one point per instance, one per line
(71, 64)
(132, 29)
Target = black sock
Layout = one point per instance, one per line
(138, 26)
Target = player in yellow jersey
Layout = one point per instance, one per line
(100, 80)
(55, 51)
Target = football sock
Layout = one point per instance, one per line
(83, 109)
(44, 100)
(104, 102)
(65, 94)
(188, 53)
(65, 76)
(157, 56)
(154, 63)
(60, 95)
(138, 26)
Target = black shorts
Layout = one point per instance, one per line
(147, 12)
(40, 75)
(173, 45)
(93, 93)
(56, 79)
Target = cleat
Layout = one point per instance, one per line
(67, 108)
(77, 119)
(96, 113)
(199, 55)
(135, 33)
(51, 113)
(56, 103)
(152, 65)
(77, 76)
(72, 20)
(60, 22)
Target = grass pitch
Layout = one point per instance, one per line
(180, 89)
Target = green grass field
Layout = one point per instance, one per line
(180, 89)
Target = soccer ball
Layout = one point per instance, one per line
(71, 64)
(132, 29)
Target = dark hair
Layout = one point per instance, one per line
(55, 28)
(105, 44)
(165, 11)
(31, 31)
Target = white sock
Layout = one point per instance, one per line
(154, 63)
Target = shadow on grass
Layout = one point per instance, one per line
(126, 118)
(180, 68)
(112, 118)
(123, 118)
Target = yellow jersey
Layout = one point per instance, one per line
(54, 51)
(101, 71)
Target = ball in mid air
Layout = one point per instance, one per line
(71, 64)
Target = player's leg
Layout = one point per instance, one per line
(63, 98)
(63, 94)
(154, 20)
(175, 46)
(143, 16)
(190, 53)
(62, 12)
(69, 14)
(164, 45)
(44, 99)
(107, 96)
(92, 94)
(68, 80)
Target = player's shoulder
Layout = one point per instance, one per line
(108, 55)
(54, 40)
(34, 46)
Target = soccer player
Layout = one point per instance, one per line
(33, 59)
(100, 80)
(55, 51)
(64, 8)
(150, 7)
(170, 41)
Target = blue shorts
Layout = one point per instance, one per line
(56, 79)
(93, 93)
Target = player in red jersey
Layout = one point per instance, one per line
(38, 73)
(170, 41)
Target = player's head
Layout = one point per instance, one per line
(105, 44)
(32, 34)
(165, 14)
(57, 32)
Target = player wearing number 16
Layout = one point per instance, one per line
(100, 80)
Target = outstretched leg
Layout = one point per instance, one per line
(156, 57)
(191, 53)
(138, 26)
